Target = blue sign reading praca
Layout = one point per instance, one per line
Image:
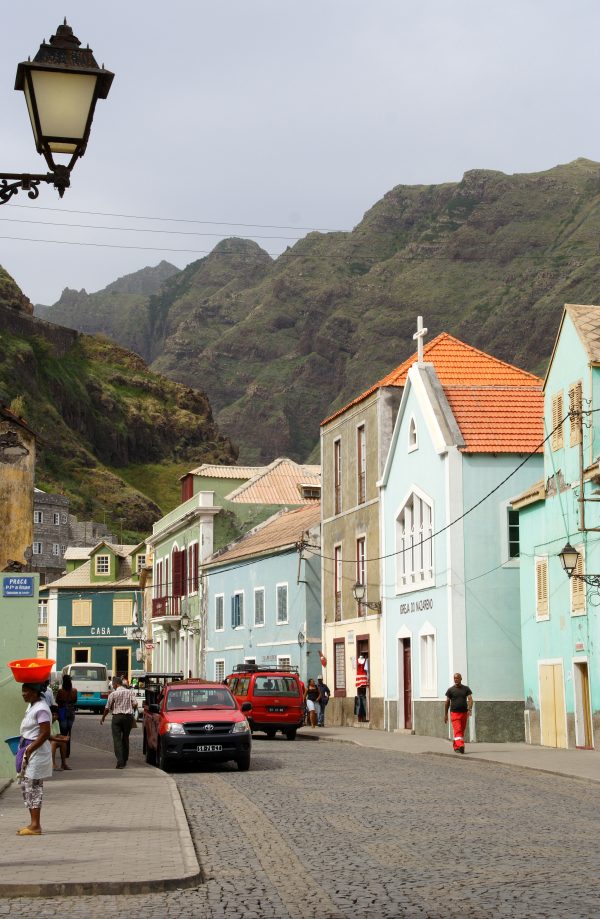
(17, 586)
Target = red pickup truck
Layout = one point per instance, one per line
(196, 721)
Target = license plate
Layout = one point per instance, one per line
(87, 695)
(209, 748)
(275, 708)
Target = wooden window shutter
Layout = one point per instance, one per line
(122, 612)
(541, 587)
(557, 416)
(575, 404)
(578, 587)
(177, 574)
(82, 612)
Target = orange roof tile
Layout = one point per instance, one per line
(455, 363)
(499, 419)
(278, 532)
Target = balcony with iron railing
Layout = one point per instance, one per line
(166, 606)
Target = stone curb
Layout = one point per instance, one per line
(192, 875)
(470, 756)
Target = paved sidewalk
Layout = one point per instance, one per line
(105, 831)
(580, 764)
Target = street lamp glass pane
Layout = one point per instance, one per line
(63, 101)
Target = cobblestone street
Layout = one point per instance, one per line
(328, 830)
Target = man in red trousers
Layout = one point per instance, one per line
(459, 699)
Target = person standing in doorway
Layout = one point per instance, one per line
(459, 699)
(122, 702)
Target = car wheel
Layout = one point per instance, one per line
(163, 759)
(271, 733)
(150, 755)
(243, 761)
(290, 733)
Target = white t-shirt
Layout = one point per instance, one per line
(40, 761)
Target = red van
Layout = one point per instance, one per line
(276, 697)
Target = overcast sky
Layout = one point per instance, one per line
(285, 113)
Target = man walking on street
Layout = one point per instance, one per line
(121, 702)
(459, 699)
(324, 693)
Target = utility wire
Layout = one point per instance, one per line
(469, 510)
(220, 223)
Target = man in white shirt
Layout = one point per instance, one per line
(122, 703)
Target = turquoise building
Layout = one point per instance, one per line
(263, 594)
(91, 609)
(560, 616)
(450, 539)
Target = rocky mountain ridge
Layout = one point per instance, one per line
(279, 343)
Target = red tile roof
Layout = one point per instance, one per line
(455, 363)
(499, 419)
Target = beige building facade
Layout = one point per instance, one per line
(354, 446)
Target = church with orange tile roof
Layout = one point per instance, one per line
(416, 510)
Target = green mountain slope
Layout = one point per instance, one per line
(98, 412)
(277, 344)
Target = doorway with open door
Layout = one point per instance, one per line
(363, 664)
(584, 735)
(405, 717)
(121, 660)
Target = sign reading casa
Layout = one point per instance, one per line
(18, 586)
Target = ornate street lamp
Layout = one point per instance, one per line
(568, 559)
(358, 592)
(186, 623)
(61, 85)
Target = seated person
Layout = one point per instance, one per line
(58, 741)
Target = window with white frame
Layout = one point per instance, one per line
(428, 666)
(102, 564)
(361, 464)
(337, 582)
(414, 543)
(542, 609)
(38, 548)
(259, 606)
(361, 569)
(63, 549)
(55, 548)
(578, 592)
(412, 436)
(337, 476)
(63, 518)
(56, 518)
(141, 563)
(512, 524)
(219, 617)
(38, 516)
(219, 671)
(284, 662)
(282, 604)
(43, 612)
(237, 610)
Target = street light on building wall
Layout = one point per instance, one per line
(569, 558)
(61, 85)
(186, 623)
(358, 592)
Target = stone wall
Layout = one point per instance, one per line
(22, 324)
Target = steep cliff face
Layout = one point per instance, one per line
(96, 410)
(277, 344)
(11, 296)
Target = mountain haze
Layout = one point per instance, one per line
(277, 344)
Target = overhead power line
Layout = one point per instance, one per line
(221, 223)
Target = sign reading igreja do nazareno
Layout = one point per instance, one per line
(416, 606)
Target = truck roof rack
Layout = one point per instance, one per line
(268, 668)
